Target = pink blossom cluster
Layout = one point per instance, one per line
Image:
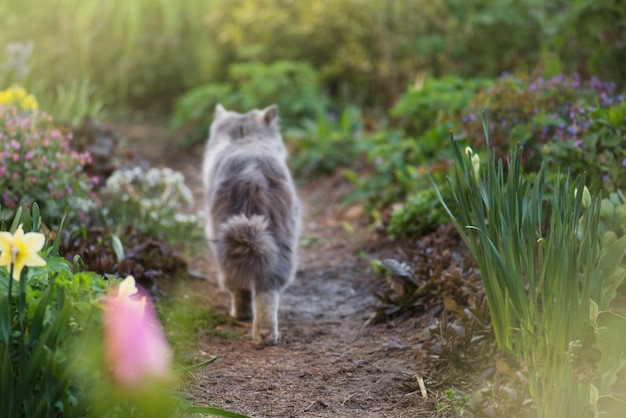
(37, 162)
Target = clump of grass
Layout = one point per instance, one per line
(544, 272)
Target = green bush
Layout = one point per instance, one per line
(147, 52)
(590, 39)
(293, 86)
(436, 102)
(37, 164)
(392, 169)
(326, 144)
(420, 214)
(565, 120)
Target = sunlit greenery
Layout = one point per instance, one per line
(369, 92)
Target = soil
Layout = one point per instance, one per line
(331, 361)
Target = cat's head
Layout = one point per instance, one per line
(254, 125)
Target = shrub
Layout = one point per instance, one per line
(437, 101)
(420, 214)
(392, 170)
(423, 115)
(562, 119)
(37, 164)
(325, 144)
(292, 85)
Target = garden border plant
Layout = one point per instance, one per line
(548, 282)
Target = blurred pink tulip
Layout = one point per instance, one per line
(135, 347)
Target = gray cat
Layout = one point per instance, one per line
(252, 214)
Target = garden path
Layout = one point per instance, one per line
(330, 361)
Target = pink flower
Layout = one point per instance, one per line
(135, 346)
(29, 155)
(16, 157)
(15, 144)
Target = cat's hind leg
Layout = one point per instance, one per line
(265, 324)
(241, 304)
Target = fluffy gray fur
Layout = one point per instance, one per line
(252, 214)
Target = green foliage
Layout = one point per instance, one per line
(563, 120)
(454, 400)
(590, 37)
(293, 86)
(147, 52)
(424, 116)
(437, 102)
(141, 52)
(393, 161)
(152, 201)
(326, 144)
(421, 213)
(41, 323)
(383, 44)
(73, 102)
(530, 245)
(37, 164)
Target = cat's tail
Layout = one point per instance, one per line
(246, 248)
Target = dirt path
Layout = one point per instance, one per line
(329, 362)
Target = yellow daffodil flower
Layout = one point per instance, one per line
(21, 250)
(127, 288)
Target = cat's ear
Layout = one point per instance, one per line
(269, 115)
(219, 110)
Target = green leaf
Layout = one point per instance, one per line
(593, 312)
(611, 407)
(610, 331)
(608, 274)
(593, 396)
(54, 250)
(36, 216)
(16, 220)
(118, 248)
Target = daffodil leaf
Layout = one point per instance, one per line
(118, 248)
